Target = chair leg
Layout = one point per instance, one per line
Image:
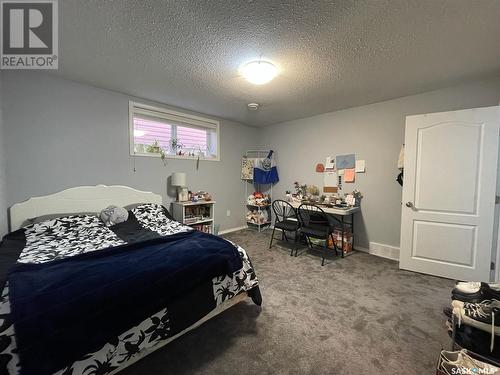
(334, 245)
(272, 237)
(325, 252)
(308, 242)
(294, 247)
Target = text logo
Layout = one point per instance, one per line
(29, 34)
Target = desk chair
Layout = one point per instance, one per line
(286, 220)
(314, 223)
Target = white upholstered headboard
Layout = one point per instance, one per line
(78, 199)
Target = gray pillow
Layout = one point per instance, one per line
(112, 215)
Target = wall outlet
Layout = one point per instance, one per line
(228, 213)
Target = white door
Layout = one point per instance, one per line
(449, 193)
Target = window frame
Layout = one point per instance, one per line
(175, 117)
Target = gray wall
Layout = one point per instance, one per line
(61, 134)
(3, 196)
(374, 133)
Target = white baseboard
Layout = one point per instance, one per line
(232, 229)
(381, 250)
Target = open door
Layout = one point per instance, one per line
(449, 193)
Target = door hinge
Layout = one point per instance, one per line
(492, 266)
(497, 199)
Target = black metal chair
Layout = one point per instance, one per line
(314, 223)
(285, 219)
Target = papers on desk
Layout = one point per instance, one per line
(350, 200)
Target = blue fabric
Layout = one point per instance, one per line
(67, 308)
(261, 176)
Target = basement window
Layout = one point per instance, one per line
(156, 131)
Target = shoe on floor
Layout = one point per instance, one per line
(480, 315)
(468, 287)
(462, 358)
(448, 311)
(474, 340)
(475, 292)
(471, 305)
(459, 362)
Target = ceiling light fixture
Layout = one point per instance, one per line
(253, 106)
(259, 72)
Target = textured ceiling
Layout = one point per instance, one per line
(332, 54)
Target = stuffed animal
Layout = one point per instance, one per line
(112, 215)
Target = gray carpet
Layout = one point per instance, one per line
(358, 315)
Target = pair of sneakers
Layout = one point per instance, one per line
(472, 339)
(475, 292)
(460, 362)
(485, 314)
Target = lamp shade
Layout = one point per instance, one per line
(178, 179)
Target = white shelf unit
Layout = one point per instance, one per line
(258, 154)
(195, 213)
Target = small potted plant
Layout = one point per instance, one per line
(155, 148)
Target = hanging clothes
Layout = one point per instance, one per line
(401, 158)
(401, 164)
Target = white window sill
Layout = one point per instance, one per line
(182, 157)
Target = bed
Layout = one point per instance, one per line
(80, 297)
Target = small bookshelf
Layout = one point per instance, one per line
(198, 215)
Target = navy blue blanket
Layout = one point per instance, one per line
(67, 308)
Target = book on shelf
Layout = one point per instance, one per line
(206, 228)
(191, 220)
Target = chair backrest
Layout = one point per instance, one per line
(283, 210)
(310, 214)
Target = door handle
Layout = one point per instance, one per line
(409, 204)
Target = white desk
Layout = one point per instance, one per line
(333, 210)
(342, 212)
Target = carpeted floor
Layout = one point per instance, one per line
(358, 315)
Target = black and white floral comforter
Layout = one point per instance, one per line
(73, 235)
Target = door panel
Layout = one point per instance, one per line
(452, 164)
(449, 193)
(457, 242)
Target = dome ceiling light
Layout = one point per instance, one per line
(259, 72)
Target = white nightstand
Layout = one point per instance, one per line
(199, 215)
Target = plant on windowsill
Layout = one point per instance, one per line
(155, 148)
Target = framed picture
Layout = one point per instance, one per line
(183, 194)
(247, 166)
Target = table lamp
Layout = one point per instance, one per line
(178, 180)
